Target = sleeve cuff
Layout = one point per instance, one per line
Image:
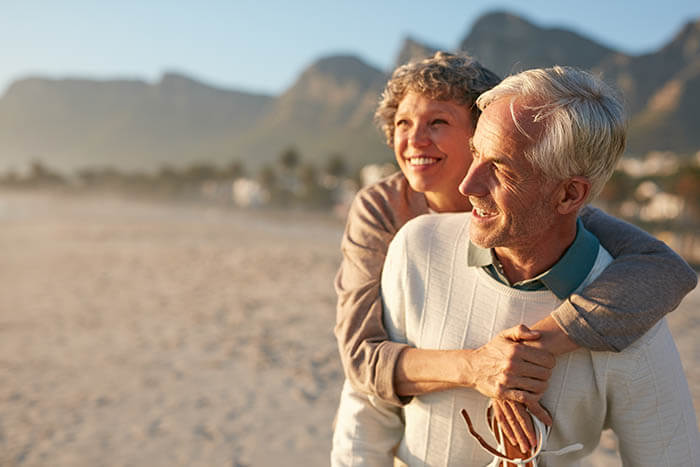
(572, 322)
(388, 353)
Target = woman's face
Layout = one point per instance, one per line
(431, 143)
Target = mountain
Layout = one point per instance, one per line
(660, 89)
(670, 118)
(128, 124)
(640, 77)
(132, 124)
(178, 121)
(327, 110)
(413, 50)
(506, 44)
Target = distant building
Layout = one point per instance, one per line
(662, 207)
(248, 193)
(372, 173)
(655, 163)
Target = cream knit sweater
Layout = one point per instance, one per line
(434, 300)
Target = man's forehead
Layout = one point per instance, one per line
(509, 122)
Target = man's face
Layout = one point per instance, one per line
(512, 201)
(431, 143)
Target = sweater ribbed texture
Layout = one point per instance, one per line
(433, 300)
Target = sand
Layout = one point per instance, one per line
(160, 334)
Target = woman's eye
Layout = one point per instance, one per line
(400, 123)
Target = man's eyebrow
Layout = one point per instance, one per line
(493, 160)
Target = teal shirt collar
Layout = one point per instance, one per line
(562, 279)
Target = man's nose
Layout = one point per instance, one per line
(473, 184)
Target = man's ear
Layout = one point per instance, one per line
(572, 194)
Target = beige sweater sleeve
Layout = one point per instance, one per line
(377, 213)
(644, 282)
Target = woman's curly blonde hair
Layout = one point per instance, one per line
(444, 77)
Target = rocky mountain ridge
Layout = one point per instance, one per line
(135, 125)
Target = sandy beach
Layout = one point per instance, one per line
(159, 334)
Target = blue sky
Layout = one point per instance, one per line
(264, 45)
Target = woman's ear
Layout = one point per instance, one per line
(573, 193)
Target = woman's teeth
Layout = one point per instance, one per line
(422, 160)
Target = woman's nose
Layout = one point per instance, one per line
(419, 136)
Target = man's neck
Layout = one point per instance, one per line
(539, 255)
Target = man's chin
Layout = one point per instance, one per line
(481, 240)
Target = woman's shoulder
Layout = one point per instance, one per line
(388, 188)
(391, 199)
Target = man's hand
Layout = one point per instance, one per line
(507, 368)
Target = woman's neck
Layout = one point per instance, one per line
(440, 202)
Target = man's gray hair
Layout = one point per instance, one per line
(584, 122)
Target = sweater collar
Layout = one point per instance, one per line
(563, 278)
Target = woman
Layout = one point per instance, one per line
(428, 115)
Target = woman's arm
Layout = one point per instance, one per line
(646, 281)
(367, 354)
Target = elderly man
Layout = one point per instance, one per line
(545, 144)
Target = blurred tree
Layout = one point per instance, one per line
(289, 159)
(40, 174)
(312, 194)
(10, 178)
(267, 177)
(336, 165)
(308, 177)
(618, 189)
(167, 172)
(234, 170)
(687, 186)
(200, 171)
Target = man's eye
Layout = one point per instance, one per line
(439, 121)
